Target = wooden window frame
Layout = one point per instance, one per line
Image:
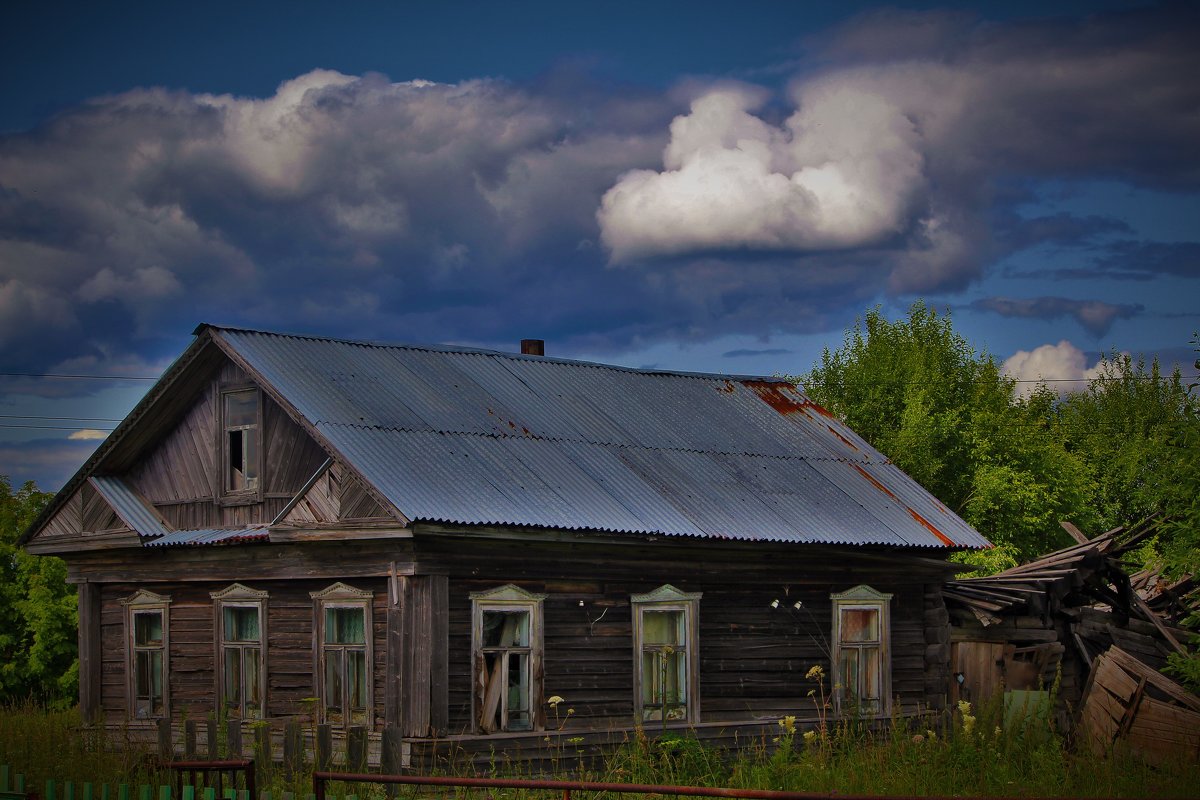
(143, 602)
(508, 598)
(341, 595)
(863, 597)
(225, 495)
(668, 598)
(239, 596)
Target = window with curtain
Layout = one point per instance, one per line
(507, 647)
(148, 679)
(344, 655)
(861, 655)
(665, 648)
(241, 644)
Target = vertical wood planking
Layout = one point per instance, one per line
(90, 655)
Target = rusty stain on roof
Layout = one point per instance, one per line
(845, 441)
(875, 482)
(946, 540)
(773, 394)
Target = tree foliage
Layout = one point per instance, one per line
(1130, 426)
(948, 417)
(38, 643)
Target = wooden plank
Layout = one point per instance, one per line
(1076, 534)
(90, 656)
(1154, 678)
(439, 635)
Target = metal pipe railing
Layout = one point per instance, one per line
(188, 770)
(566, 787)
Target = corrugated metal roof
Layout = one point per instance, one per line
(206, 537)
(477, 437)
(131, 508)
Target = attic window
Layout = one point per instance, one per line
(241, 455)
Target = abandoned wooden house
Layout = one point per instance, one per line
(442, 542)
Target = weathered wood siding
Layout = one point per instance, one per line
(753, 657)
(179, 475)
(192, 643)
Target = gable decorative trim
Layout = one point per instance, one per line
(238, 591)
(862, 592)
(665, 594)
(145, 597)
(341, 591)
(509, 593)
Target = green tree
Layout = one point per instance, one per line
(1130, 427)
(948, 417)
(1179, 536)
(38, 643)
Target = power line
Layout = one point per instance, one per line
(78, 377)
(59, 419)
(55, 427)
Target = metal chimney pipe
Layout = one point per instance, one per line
(533, 347)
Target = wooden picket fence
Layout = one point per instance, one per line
(13, 787)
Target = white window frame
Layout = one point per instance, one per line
(509, 598)
(239, 596)
(863, 597)
(668, 598)
(146, 602)
(340, 595)
(252, 493)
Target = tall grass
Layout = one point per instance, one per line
(967, 752)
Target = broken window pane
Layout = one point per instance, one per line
(505, 671)
(505, 628)
(240, 420)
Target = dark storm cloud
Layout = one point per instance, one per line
(1095, 316)
(486, 211)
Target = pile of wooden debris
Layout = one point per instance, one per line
(1076, 616)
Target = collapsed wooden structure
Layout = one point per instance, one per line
(1077, 619)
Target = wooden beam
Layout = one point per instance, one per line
(1076, 534)
(89, 652)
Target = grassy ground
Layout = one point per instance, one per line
(966, 753)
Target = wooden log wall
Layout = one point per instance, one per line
(753, 657)
(192, 647)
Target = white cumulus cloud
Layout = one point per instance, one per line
(841, 172)
(1062, 367)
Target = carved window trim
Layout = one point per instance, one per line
(667, 598)
(863, 598)
(240, 596)
(224, 492)
(343, 596)
(146, 604)
(508, 598)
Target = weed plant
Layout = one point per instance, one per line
(968, 751)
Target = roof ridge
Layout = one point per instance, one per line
(482, 351)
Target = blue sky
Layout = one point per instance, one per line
(702, 186)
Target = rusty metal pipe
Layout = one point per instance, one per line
(319, 779)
